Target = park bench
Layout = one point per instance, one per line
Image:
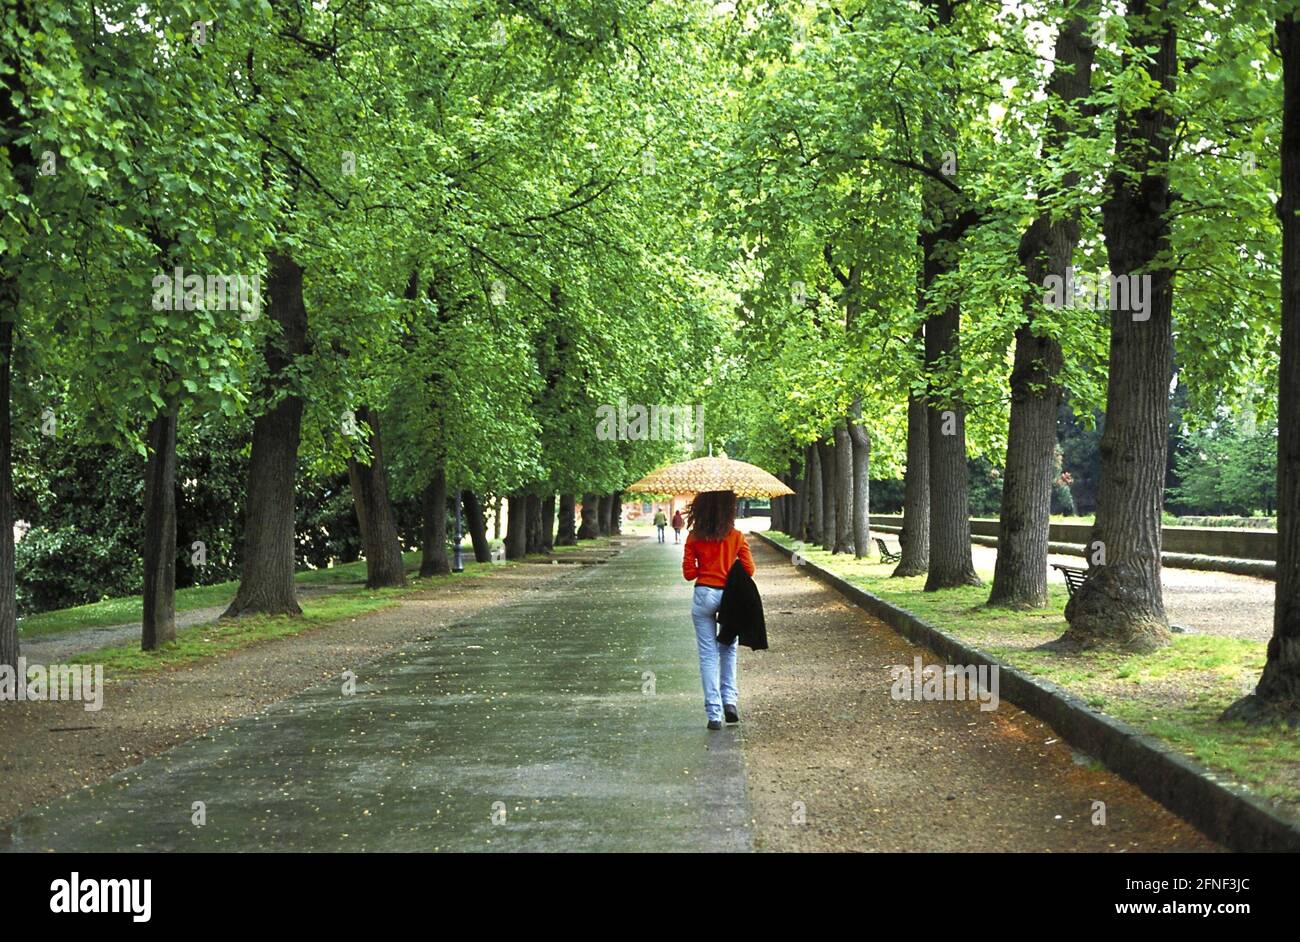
(885, 554)
(1074, 576)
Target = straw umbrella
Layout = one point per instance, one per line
(711, 474)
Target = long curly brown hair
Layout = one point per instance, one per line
(712, 515)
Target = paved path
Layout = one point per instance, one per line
(572, 715)
(536, 712)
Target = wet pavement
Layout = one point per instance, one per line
(569, 720)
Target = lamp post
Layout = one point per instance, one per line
(457, 562)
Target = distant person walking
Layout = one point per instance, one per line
(661, 521)
(678, 522)
(712, 546)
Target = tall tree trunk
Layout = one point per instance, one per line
(496, 518)
(590, 528)
(616, 514)
(914, 537)
(567, 534)
(1121, 604)
(1046, 248)
(914, 540)
(533, 529)
(826, 467)
(548, 522)
(384, 564)
(1020, 573)
(843, 490)
(777, 504)
(604, 511)
(813, 520)
(159, 621)
(477, 526)
(266, 579)
(433, 527)
(951, 562)
(945, 218)
(516, 526)
(861, 444)
(1278, 692)
(796, 506)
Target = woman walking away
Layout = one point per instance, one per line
(712, 546)
(678, 523)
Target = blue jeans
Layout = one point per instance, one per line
(717, 661)
(660, 527)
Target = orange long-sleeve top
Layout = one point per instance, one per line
(709, 561)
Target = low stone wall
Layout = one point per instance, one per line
(1222, 542)
(1252, 523)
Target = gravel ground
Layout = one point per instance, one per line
(1212, 603)
(877, 774)
(50, 749)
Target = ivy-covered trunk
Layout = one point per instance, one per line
(1278, 692)
(616, 514)
(384, 564)
(567, 534)
(158, 623)
(22, 171)
(433, 527)
(860, 442)
(1046, 248)
(1121, 604)
(476, 524)
(266, 584)
(590, 528)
